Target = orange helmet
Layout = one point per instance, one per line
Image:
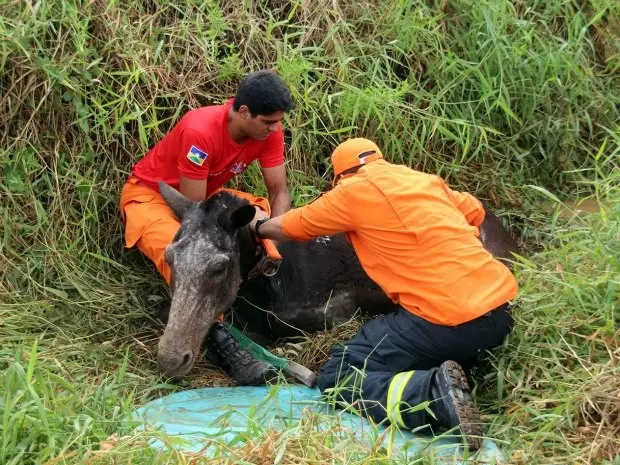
(351, 154)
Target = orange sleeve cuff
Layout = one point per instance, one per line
(479, 214)
(292, 226)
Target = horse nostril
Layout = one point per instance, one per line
(175, 364)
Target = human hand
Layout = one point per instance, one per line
(260, 214)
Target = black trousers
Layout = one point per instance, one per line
(397, 355)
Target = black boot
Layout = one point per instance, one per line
(453, 404)
(236, 361)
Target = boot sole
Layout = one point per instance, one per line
(270, 374)
(460, 396)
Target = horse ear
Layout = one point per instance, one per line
(238, 218)
(175, 200)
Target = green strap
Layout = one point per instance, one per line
(256, 350)
(395, 392)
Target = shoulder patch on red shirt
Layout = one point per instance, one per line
(197, 156)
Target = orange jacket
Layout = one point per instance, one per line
(415, 237)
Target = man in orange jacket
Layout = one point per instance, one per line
(419, 241)
(205, 149)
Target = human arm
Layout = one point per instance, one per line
(327, 215)
(271, 229)
(194, 159)
(279, 198)
(272, 167)
(471, 207)
(192, 189)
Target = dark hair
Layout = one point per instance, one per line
(263, 92)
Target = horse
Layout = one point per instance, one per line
(319, 283)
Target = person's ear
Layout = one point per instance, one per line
(244, 112)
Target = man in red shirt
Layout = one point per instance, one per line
(207, 148)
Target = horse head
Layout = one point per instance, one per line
(208, 257)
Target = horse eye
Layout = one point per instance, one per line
(219, 265)
(219, 268)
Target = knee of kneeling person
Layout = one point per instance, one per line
(327, 379)
(333, 374)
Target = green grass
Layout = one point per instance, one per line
(517, 102)
(557, 375)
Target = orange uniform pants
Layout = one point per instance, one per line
(151, 225)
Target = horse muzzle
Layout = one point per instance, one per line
(175, 364)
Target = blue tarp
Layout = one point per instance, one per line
(225, 414)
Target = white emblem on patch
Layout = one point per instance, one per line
(238, 167)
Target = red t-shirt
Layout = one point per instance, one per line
(200, 147)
